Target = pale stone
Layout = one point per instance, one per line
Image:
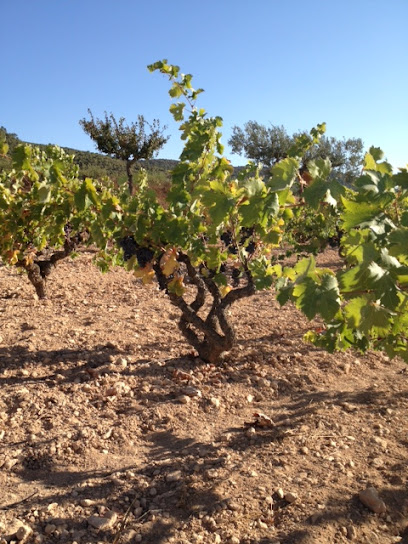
(290, 497)
(103, 523)
(370, 498)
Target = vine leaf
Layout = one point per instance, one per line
(146, 274)
(168, 262)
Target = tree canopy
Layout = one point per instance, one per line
(269, 145)
(131, 143)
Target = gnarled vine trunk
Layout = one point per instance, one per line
(40, 268)
(213, 335)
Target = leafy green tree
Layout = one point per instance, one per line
(269, 145)
(8, 142)
(130, 143)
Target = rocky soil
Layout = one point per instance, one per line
(112, 430)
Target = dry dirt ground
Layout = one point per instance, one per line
(111, 430)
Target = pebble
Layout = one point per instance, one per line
(191, 391)
(351, 532)
(251, 431)
(370, 498)
(174, 476)
(215, 402)
(262, 524)
(23, 533)
(184, 399)
(380, 442)
(290, 497)
(49, 528)
(87, 502)
(103, 523)
(315, 517)
(9, 463)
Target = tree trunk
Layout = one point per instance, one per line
(129, 176)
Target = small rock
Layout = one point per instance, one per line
(215, 402)
(381, 442)
(280, 493)
(369, 497)
(49, 529)
(184, 399)
(122, 363)
(377, 462)
(87, 502)
(9, 463)
(174, 476)
(191, 391)
(251, 431)
(351, 532)
(269, 500)
(262, 524)
(315, 517)
(23, 533)
(290, 497)
(103, 523)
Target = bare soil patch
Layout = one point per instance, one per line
(111, 427)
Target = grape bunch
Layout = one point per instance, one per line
(130, 247)
(245, 234)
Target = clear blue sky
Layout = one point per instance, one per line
(294, 63)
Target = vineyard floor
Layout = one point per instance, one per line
(111, 430)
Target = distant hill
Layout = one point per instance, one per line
(93, 165)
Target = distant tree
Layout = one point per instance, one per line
(8, 142)
(130, 143)
(269, 145)
(11, 139)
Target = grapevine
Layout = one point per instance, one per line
(38, 225)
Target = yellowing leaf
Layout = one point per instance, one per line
(13, 258)
(224, 290)
(146, 274)
(169, 263)
(176, 286)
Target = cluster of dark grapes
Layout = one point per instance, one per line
(130, 247)
(246, 232)
(67, 229)
(335, 240)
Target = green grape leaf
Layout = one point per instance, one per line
(177, 110)
(318, 297)
(44, 194)
(359, 213)
(283, 174)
